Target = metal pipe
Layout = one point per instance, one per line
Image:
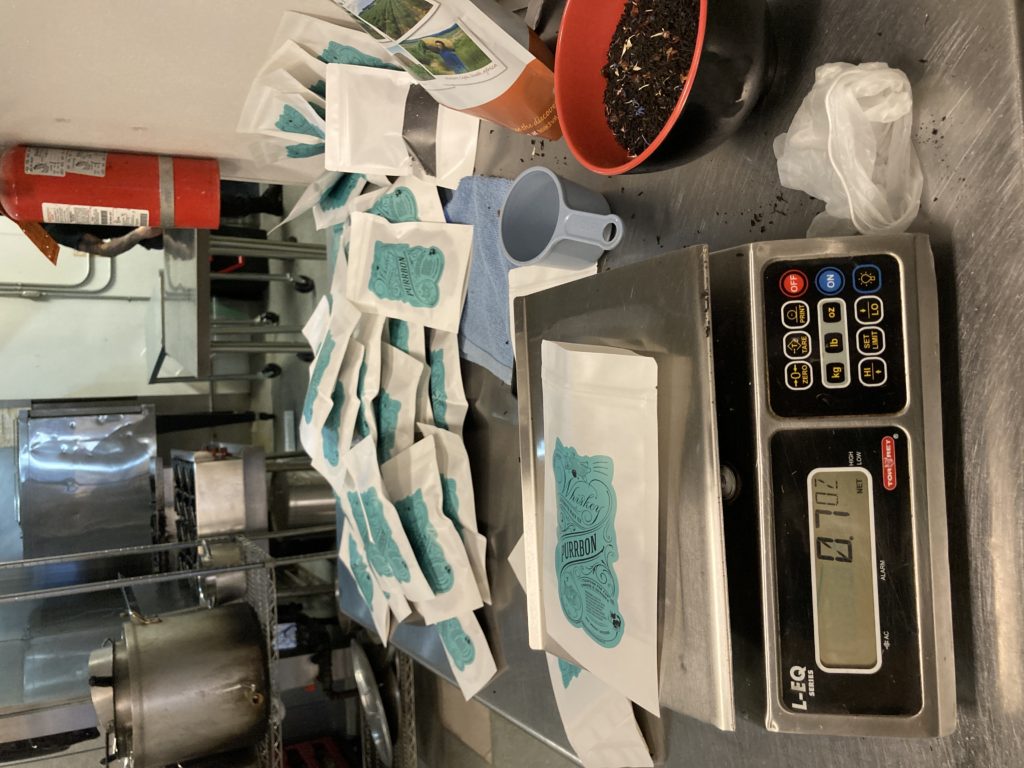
(254, 277)
(159, 578)
(144, 549)
(255, 347)
(44, 286)
(254, 330)
(266, 249)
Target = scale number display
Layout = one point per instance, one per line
(844, 586)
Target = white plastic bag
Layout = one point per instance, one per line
(395, 406)
(353, 557)
(850, 145)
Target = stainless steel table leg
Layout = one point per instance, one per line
(266, 249)
(302, 283)
(256, 347)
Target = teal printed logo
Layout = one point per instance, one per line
(380, 531)
(336, 53)
(407, 273)
(378, 561)
(362, 425)
(586, 544)
(423, 539)
(304, 150)
(458, 644)
(451, 501)
(398, 333)
(387, 410)
(319, 88)
(438, 396)
(396, 206)
(319, 369)
(332, 427)
(336, 195)
(292, 121)
(569, 672)
(360, 572)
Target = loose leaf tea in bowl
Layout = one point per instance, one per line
(648, 65)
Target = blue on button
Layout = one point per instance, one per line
(867, 278)
(829, 281)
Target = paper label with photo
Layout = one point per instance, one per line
(470, 55)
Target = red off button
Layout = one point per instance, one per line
(793, 283)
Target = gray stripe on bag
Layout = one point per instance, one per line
(420, 128)
(166, 166)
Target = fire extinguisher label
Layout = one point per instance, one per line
(94, 215)
(47, 161)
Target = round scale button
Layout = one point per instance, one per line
(793, 283)
(830, 281)
(867, 278)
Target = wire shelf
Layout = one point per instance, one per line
(261, 595)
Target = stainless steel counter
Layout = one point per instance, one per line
(964, 63)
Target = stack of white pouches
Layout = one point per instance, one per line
(383, 420)
(593, 545)
(284, 115)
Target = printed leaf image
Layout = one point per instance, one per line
(449, 52)
(395, 17)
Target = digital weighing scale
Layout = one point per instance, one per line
(826, 422)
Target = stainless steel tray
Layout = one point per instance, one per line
(658, 307)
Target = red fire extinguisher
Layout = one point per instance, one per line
(68, 186)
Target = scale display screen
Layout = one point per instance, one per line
(844, 586)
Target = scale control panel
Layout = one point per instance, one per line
(834, 336)
(851, 496)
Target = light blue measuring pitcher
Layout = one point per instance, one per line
(551, 221)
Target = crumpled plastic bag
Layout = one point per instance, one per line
(850, 145)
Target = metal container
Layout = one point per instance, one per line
(300, 500)
(184, 686)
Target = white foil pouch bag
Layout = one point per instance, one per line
(415, 271)
(340, 423)
(290, 118)
(366, 115)
(337, 41)
(382, 521)
(350, 509)
(599, 539)
(408, 199)
(459, 501)
(395, 406)
(447, 394)
(368, 332)
(468, 653)
(598, 721)
(413, 482)
(323, 374)
(334, 204)
(411, 339)
(316, 327)
(353, 557)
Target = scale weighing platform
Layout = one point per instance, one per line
(823, 427)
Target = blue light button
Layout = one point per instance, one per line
(829, 281)
(867, 278)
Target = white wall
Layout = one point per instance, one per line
(76, 347)
(165, 76)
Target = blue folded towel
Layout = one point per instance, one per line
(484, 336)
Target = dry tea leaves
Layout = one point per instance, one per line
(648, 62)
